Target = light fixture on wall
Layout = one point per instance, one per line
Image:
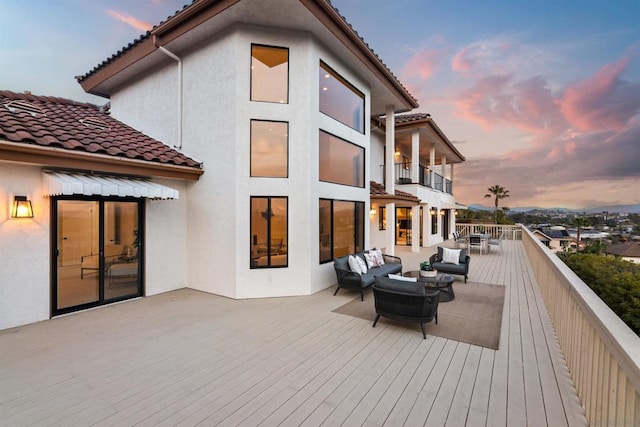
(455, 212)
(442, 212)
(373, 211)
(21, 207)
(432, 211)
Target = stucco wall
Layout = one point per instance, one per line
(24, 249)
(217, 115)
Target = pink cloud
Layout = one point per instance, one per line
(423, 64)
(495, 100)
(603, 102)
(464, 60)
(128, 19)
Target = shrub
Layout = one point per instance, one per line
(615, 281)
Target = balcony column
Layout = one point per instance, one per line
(415, 156)
(390, 232)
(451, 177)
(443, 164)
(415, 228)
(432, 164)
(390, 145)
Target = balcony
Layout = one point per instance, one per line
(403, 175)
(186, 357)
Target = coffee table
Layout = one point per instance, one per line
(441, 281)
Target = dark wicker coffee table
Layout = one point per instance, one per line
(441, 281)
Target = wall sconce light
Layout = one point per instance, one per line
(397, 153)
(432, 211)
(373, 211)
(21, 207)
(442, 212)
(455, 212)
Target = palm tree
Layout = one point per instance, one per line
(579, 222)
(498, 192)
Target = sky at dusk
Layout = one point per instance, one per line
(541, 97)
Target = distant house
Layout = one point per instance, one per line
(236, 157)
(556, 239)
(628, 251)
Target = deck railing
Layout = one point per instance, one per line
(496, 231)
(403, 175)
(601, 352)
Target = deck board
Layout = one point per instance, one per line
(189, 358)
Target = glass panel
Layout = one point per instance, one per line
(359, 226)
(259, 228)
(325, 230)
(341, 100)
(269, 236)
(434, 220)
(121, 244)
(78, 261)
(403, 230)
(278, 240)
(382, 218)
(269, 74)
(343, 228)
(340, 161)
(269, 145)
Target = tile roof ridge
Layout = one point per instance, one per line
(28, 96)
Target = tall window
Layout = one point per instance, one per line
(382, 218)
(269, 217)
(341, 162)
(269, 74)
(341, 228)
(340, 100)
(434, 220)
(269, 149)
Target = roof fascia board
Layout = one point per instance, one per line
(57, 157)
(326, 14)
(416, 124)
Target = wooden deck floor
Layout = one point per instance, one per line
(190, 358)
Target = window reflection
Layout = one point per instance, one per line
(269, 146)
(346, 235)
(269, 232)
(341, 100)
(269, 74)
(341, 162)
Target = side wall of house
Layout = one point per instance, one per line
(24, 249)
(217, 112)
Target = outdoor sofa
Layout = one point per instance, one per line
(405, 301)
(348, 279)
(462, 268)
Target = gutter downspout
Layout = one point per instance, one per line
(180, 103)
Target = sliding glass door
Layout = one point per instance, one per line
(96, 252)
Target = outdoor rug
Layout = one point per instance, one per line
(474, 316)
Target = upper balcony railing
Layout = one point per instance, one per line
(403, 175)
(496, 231)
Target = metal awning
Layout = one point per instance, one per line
(68, 184)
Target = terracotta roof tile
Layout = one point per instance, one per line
(59, 126)
(376, 189)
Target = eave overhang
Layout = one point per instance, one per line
(61, 158)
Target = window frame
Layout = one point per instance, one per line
(252, 266)
(359, 227)
(364, 160)
(251, 148)
(382, 218)
(251, 72)
(326, 67)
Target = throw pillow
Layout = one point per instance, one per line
(354, 265)
(451, 256)
(371, 260)
(378, 255)
(404, 279)
(363, 265)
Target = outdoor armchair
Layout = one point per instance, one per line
(461, 269)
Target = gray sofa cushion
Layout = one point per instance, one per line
(369, 278)
(400, 286)
(450, 268)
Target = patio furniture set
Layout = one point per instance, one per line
(412, 297)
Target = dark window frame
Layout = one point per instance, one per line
(382, 219)
(259, 267)
(434, 220)
(251, 72)
(359, 227)
(364, 160)
(326, 67)
(251, 149)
